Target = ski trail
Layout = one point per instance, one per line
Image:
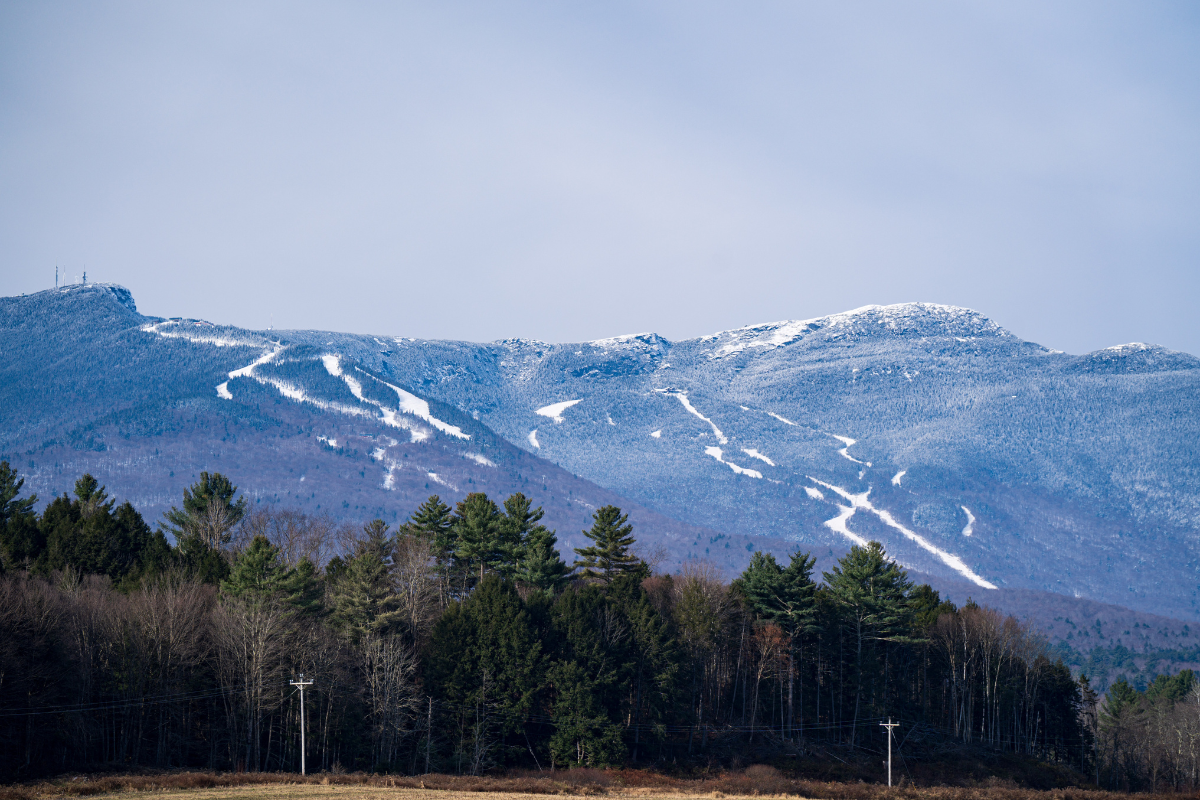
(858, 501)
(223, 391)
(715, 452)
(781, 419)
(755, 454)
(847, 441)
(533, 439)
(656, 434)
(896, 478)
(970, 527)
(838, 525)
(248, 370)
(411, 404)
(683, 398)
(814, 493)
(555, 410)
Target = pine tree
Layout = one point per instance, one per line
(88, 535)
(533, 558)
(362, 594)
(20, 542)
(610, 555)
(871, 593)
(204, 526)
(479, 531)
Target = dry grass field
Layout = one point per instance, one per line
(754, 782)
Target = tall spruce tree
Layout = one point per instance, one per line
(479, 530)
(534, 559)
(362, 594)
(609, 556)
(89, 535)
(871, 594)
(785, 597)
(20, 542)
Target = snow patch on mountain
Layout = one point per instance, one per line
(861, 501)
(223, 391)
(755, 454)
(844, 452)
(716, 453)
(482, 460)
(896, 478)
(683, 398)
(969, 528)
(656, 434)
(554, 410)
(533, 439)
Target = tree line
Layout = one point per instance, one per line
(463, 642)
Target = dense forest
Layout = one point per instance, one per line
(463, 642)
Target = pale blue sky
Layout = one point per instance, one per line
(569, 171)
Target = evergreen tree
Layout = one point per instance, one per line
(610, 555)
(479, 530)
(593, 661)
(871, 592)
(203, 527)
(361, 588)
(209, 511)
(485, 659)
(19, 539)
(87, 535)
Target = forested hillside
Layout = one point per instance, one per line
(462, 641)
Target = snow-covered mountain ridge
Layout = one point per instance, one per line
(972, 454)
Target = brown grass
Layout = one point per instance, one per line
(755, 781)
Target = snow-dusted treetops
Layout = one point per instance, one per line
(981, 460)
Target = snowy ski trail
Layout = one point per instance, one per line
(715, 452)
(858, 501)
(683, 398)
(555, 410)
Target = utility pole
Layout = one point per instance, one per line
(302, 683)
(429, 734)
(889, 725)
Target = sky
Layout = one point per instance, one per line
(571, 171)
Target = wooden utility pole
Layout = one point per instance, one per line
(889, 725)
(302, 683)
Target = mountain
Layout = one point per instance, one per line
(980, 460)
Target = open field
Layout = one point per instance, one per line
(754, 782)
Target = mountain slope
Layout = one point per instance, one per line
(976, 457)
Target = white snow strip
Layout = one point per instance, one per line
(781, 419)
(389, 480)
(191, 336)
(715, 452)
(411, 404)
(846, 440)
(610, 421)
(838, 525)
(683, 398)
(554, 410)
(248, 370)
(433, 476)
(377, 454)
(533, 439)
(333, 365)
(970, 528)
(896, 478)
(745, 408)
(955, 563)
(656, 434)
(814, 493)
(327, 440)
(223, 391)
(481, 459)
(755, 454)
